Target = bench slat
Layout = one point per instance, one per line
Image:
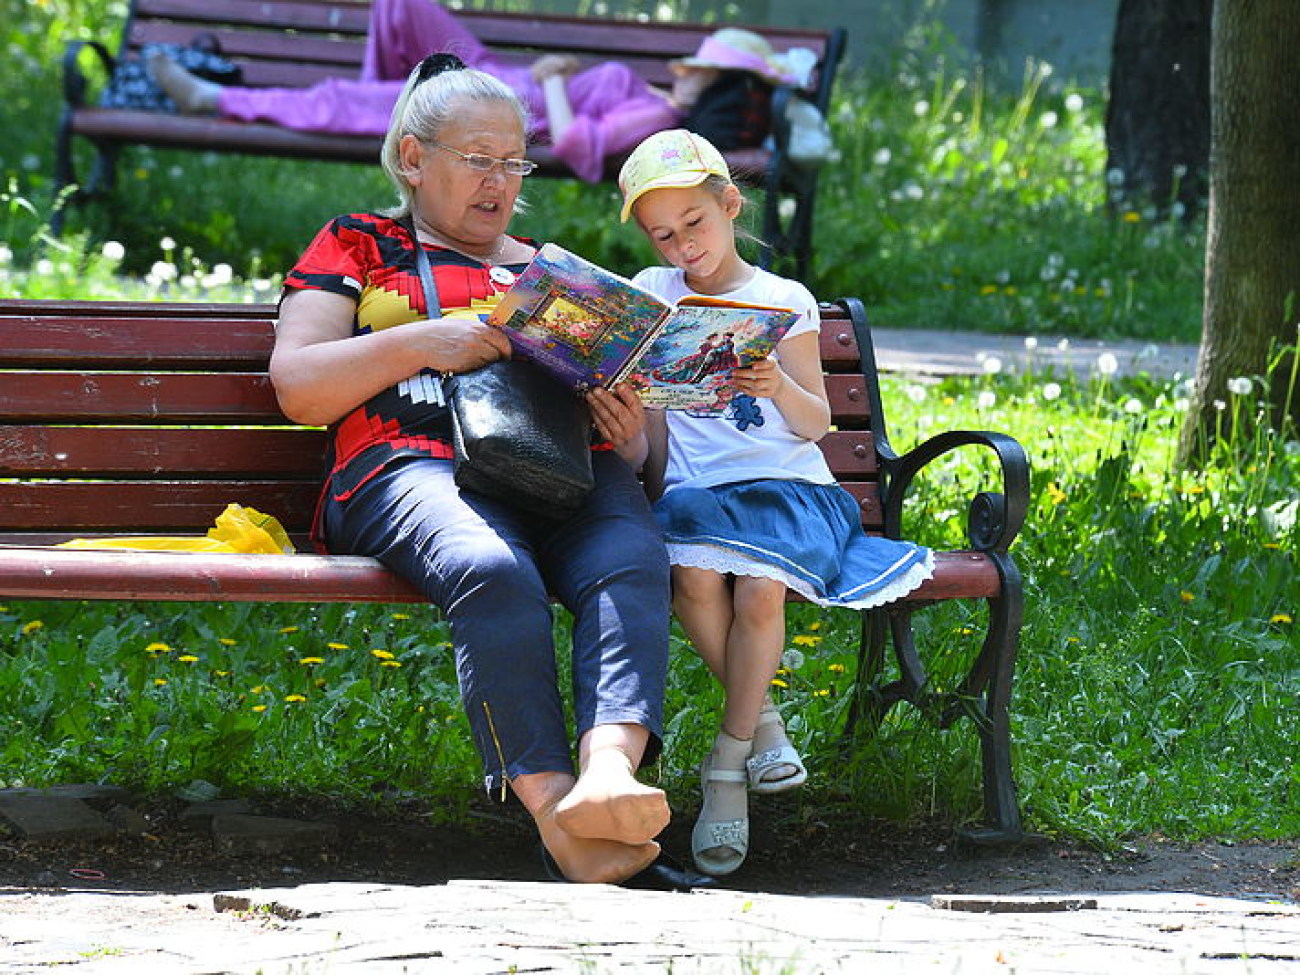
(149, 507)
(43, 451)
(143, 397)
(51, 573)
(318, 15)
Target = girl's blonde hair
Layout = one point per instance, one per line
(426, 105)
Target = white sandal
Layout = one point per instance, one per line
(719, 847)
(761, 765)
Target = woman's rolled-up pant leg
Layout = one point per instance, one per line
(474, 563)
(608, 565)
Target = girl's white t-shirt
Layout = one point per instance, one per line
(751, 440)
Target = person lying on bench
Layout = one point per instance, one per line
(723, 91)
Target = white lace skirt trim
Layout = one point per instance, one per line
(727, 561)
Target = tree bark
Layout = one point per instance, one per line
(1252, 284)
(1158, 112)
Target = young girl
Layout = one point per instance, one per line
(746, 501)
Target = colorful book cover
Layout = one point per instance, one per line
(592, 327)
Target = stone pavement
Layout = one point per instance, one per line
(473, 927)
(930, 352)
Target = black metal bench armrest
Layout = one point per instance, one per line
(74, 79)
(994, 518)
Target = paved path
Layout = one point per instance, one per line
(931, 352)
(473, 927)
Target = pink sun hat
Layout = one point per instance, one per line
(735, 49)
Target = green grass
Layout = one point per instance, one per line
(1160, 666)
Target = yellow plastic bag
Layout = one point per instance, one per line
(238, 529)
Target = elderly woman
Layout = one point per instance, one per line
(358, 349)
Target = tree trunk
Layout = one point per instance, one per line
(1158, 113)
(1252, 283)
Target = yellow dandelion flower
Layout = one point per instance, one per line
(401, 616)
(259, 708)
(221, 673)
(311, 660)
(381, 654)
(188, 658)
(1186, 596)
(320, 682)
(815, 625)
(32, 626)
(156, 648)
(1282, 618)
(1272, 546)
(1072, 639)
(964, 631)
(1054, 493)
(836, 668)
(1132, 217)
(1009, 290)
(259, 689)
(225, 641)
(288, 629)
(338, 646)
(989, 289)
(160, 682)
(822, 692)
(778, 682)
(294, 698)
(390, 663)
(805, 640)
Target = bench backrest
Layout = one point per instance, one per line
(147, 418)
(296, 43)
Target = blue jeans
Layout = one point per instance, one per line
(492, 569)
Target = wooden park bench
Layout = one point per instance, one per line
(136, 418)
(296, 43)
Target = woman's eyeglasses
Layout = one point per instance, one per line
(482, 163)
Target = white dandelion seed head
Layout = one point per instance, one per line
(792, 659)
(113, 250)
(1239, 385)
(1107, 364)
(987, 400)
(992, 365)
(1133, 406)
(1074, 102)
(1031, 343)
(882, 156)
(1052, 391)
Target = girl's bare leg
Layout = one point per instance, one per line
(753, 651)
(702, 601)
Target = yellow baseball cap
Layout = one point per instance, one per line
(674, 158)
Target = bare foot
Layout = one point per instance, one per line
(193, 95)
(585, 861)
(608, 803)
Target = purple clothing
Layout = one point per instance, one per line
(613, 109)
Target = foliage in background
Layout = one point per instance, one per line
(950, 205)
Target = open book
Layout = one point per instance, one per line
(592, 327)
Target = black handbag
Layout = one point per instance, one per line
(520, 435)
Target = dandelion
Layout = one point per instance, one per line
(286, 630)
(792, 659)
(1063, 345)
(187, 658)
(915, 392)
(806, 640)
(1186, 596)
(338, 646)
(778, 682)
(31, 627)
(1048, 120)
(1239, 385)
(1220, 405)
(882, 156)
(822, 692)
(1280, 618)
(160, 682)
(921, 108)
(989, 289)
(157, 648)
(401, 616)
(1107, 364)
(311, 660)
(987, 399)
(1054, 493)
(225, 641)
(1031, 343)
(167, 244)
(294, 698)
(814, 625)
(1074, 102)
(1052, 391)
(836, 668)
(390, 663)
(1131, 217)
(381, 654)
(113, 250)
(259, 708)
(1132, 406)
(992, 365)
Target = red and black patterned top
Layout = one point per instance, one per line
(370, 258)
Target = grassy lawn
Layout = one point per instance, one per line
(1160, 665)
